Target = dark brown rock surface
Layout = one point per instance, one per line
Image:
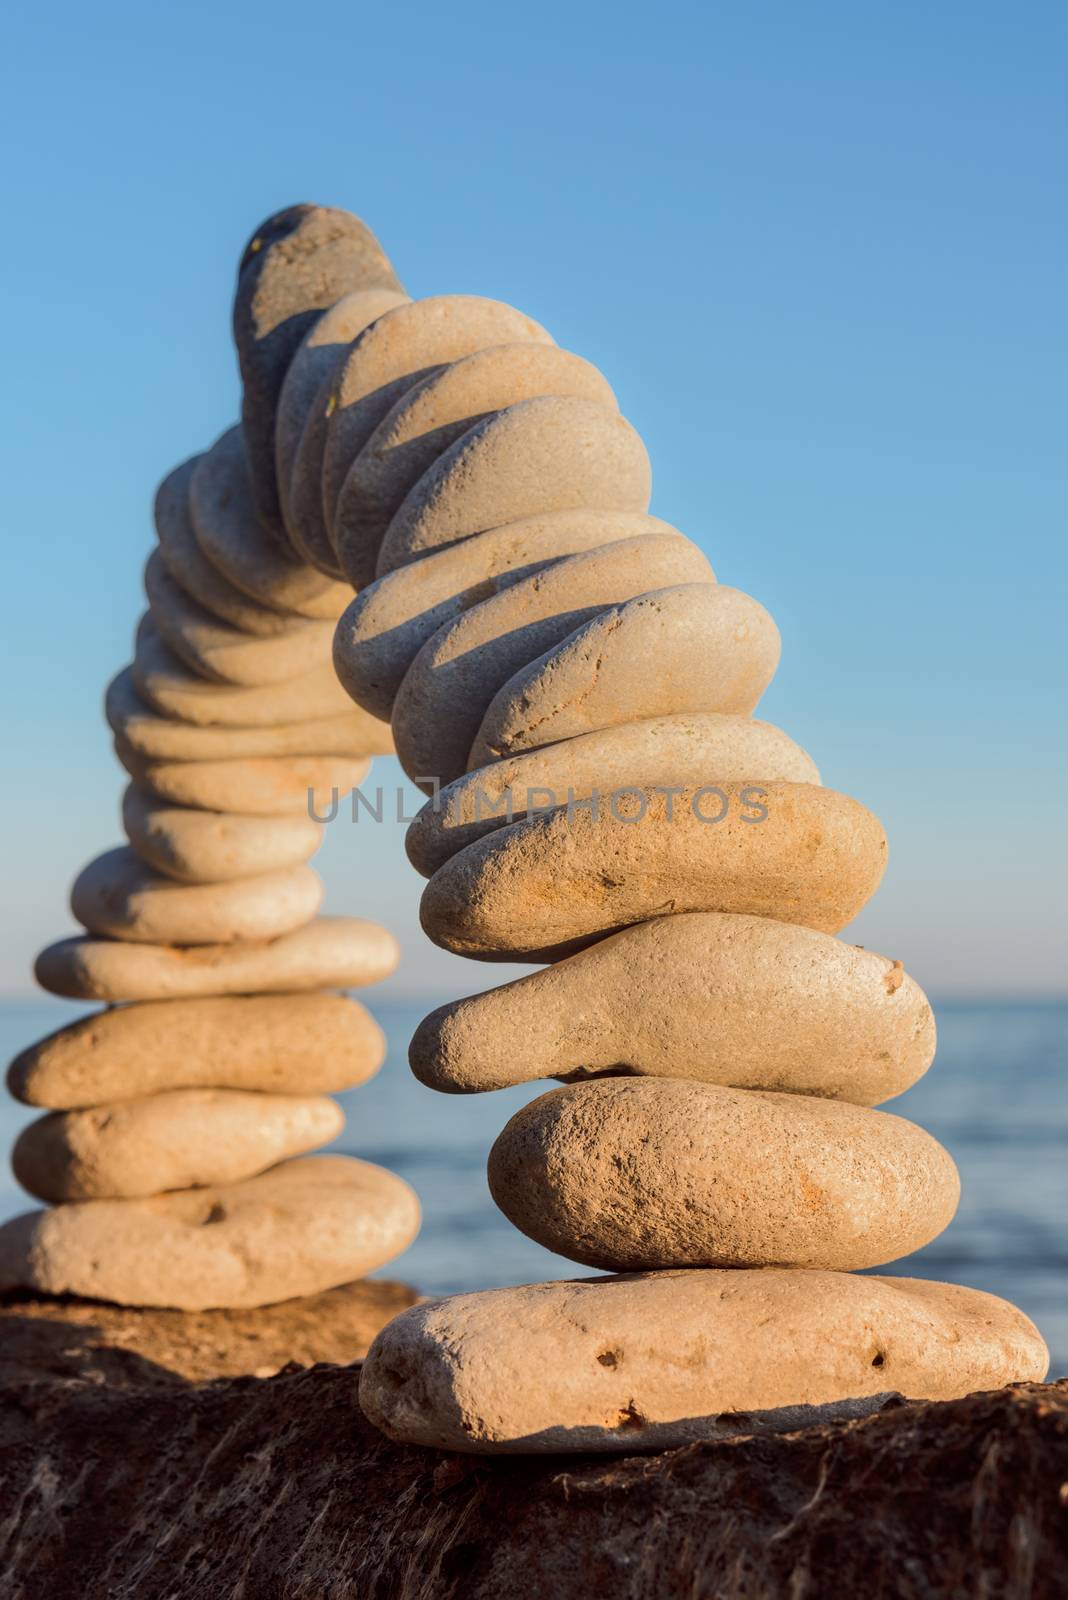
(122, 1478)
(46, 1342)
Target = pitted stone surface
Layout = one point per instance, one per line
(690, 647)
(545, 886)
(633, 1174)
(653, 1361)
(678, 752)
(736, 1000)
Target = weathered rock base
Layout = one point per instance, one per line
(124, 1479)
(46, 1343)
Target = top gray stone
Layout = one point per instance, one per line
(298, 262)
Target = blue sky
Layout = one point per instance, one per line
(820, 252)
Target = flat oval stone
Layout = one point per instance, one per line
(396, 351)
(347, 733)
(329, 953)
(172, 690)
(258, 785)
(551, 454)
(384, 628)
(308, 1044)
(305, 1226)
(212, 846)
(545, 886)
(224, 654)
(735, 1000)
(714, 649)
(119, 897)
(432, 415)
(319, 352)
(176, 1139)
(654, 1361)
(634, 1174)
(655, 752)
(299, 262)
(190, 567)
(235, 542)
(452, 681)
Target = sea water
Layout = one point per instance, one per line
(996, 1097)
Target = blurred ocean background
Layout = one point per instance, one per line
(996, 1097)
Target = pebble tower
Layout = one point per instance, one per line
(566, 670)
(172, 1149)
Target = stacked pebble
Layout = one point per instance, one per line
(173, 1148)
(533, 633)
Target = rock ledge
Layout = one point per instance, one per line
(133, 1468)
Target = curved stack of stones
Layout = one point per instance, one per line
(173, 1146)
(567, 679)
